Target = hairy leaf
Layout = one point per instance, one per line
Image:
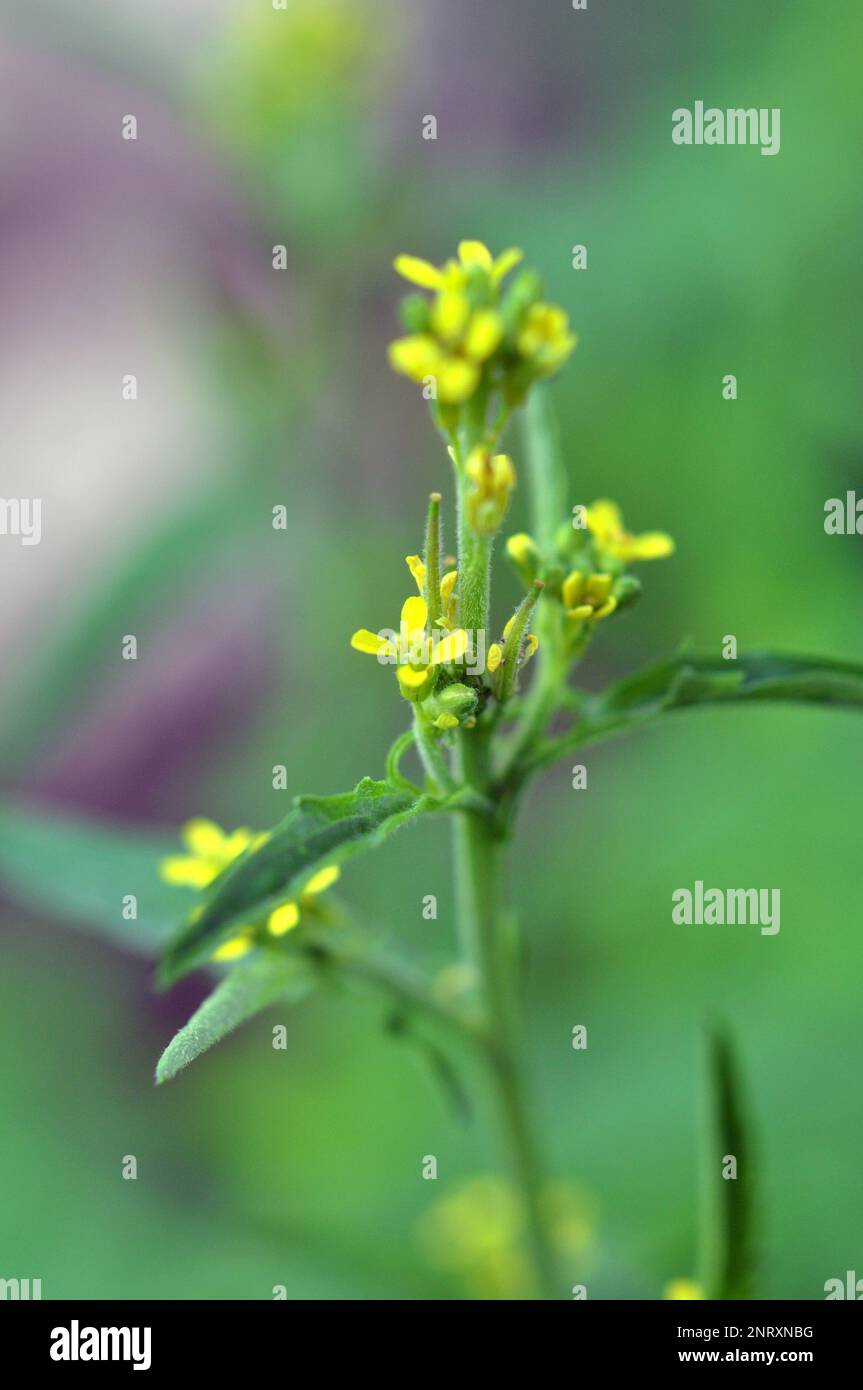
(239, 996)
(319, 830)
(689, 679)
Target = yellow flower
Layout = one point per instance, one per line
(497, 650)
(545, 338)
(479, 1232)
(414, 651)
(454, 275)
(285, 918)
(461, 335)
(588, 599)
(605, 522)
(211, 852)
(492, 478)
(523, 553)
(683, 1288)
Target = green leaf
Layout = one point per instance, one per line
(727, 1206)
(689, 679)
(79, 872)
(238, 997)
(319, 830)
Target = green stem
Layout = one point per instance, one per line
(431, 756)
(478, 861)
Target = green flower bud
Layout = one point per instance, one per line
(457, 699)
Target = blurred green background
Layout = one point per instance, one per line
(260, 387)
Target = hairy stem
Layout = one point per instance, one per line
(478, 861)
(431, 756)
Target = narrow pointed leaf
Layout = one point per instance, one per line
(727, 1205)
(688, 680)
(238, 997)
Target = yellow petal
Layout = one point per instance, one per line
(369, 642)
(583, 611)
(419, 272)
(494, 658)
(449, 648)
(417, 569)
(598, 588)
(474, 253)
(203, 837)
(416, 356)
(447, 585)
(484, 333)
(521, 548)
(507, 627)
(236, 947)
(683, 1288)
(414, 616)
(185, 871)
(503, 472)
(457, 379)
(322, 880)
(572, 589)
(605, 520)
(411, 679)
(505, 262)
(606, 610)
(283, 919)
(651, 545)
(531, 647)
(449, 315)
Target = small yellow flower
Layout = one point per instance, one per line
(524, 555)
(492, 478)
(605, 523)
(211, 852)
(461, 335)
(588, 599)
(683, 1288)
(545, 338)
(454, 274)
(285, 918)
(414, 651)
(479, 1232)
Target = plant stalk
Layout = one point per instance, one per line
(478, 861)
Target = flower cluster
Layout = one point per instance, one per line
(418, 649)
(210, 851)
(587, 571)
(473, 335)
